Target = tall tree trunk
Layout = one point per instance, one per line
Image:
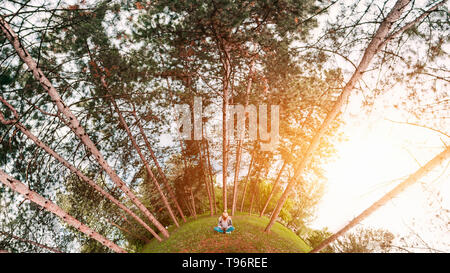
(183, 153)
(246, 181)
(143, 159)
(255, 189)
(372, 49)
(186, 192)
(224, 145)
(34, 197)
(73, 122)
(213, 191)
(145, 239)
(161, 173)
(193, 202)
(72, 168)
(183, 156)
(52, 249)
(205, 180)
(239, 144)
(187, 203)
(236, 177)
(225, 58)
(274, 188)
(413, 178)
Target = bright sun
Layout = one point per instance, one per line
(375, 159)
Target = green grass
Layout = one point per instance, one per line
(198, 236)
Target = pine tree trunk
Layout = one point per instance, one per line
(225, 82)
(246, 183)
(274, 188)
(73, 169)
(73, 122)
(183, 153)
(258, 196)
(372, 49)
(143, 159)
(187, 203)
(255, 187)
(161, 173)
(21, 188)
(224, 147)
(145, 239)
(193, 203)
(413, 178)
(52, 249)
(251, 199)
(239, 145)
(213, 191)
(205, 180)
(187, 195)
(236, 177)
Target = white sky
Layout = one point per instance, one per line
(376, 156)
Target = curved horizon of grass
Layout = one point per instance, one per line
(198, 236)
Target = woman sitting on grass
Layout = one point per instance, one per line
(225, 224)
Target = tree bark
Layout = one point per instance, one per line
(193, 202)
(52, 249)
(371, 50)
(236, 177)
(73, 121)
(413, 178)
(246, 182)
(239, 144)
(213, 191)
(21, 188)
(255, 189)
(72, 168)
(143, 159)
(224, 144)
(203, 167)
(274, 188)
(161, 173)
(186, 192)
(145, 239)
(186, 203)
(225, 59)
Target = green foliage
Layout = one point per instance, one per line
(360, 240)
(365, 240)
(315, 237)
(81, 201)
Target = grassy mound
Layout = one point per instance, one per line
(198, 236)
